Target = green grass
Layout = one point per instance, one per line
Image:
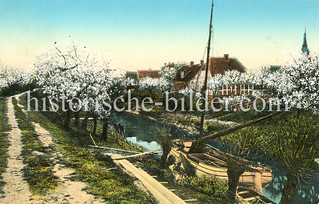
(203, 189)
(3, 140)
(215, 127)
(207, 189)
(91, 167)
(38, 168)
(241, 117)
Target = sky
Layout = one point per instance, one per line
(144, 34)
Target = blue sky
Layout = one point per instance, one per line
(142, 34)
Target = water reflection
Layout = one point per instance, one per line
(151, 146)
(306, 192)
(142, 128)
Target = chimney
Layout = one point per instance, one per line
(202, 63)
(192, 63)
(226, 56)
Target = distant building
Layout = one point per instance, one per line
(139, 74)
(193, 76)
(304, 47)
(149, 73)
(186, 73)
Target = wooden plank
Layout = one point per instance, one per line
(114, 168)
(190, 200)
(243, 192)
(136, 155)
(114, 149)
(160, 192)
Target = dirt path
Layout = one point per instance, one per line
(68, 191)
(16, 189)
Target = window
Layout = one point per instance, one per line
(182, 74)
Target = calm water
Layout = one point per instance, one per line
(307, 192)
(151, 146)
(140, 130)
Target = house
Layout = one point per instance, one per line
(149, 73)
(139, 74)
(193, 76)
(186, 73)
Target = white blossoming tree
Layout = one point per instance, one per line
(169, 72)
(13, 81)
(69, 74)
(297, 85)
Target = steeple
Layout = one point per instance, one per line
(304, 47)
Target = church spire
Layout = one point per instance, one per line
(304, 47)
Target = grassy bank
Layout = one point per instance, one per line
(3, 140)
(91, 167)
(242, 117)
(38, 167)
(202, 189)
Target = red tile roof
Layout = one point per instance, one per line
(149, 73)
(220, 65)
(216, 66)
(189, 72)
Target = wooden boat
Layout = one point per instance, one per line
(212, 163)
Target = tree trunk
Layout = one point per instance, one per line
(164, 159)
(105, 127)
(85, 121)
(94, 125)
(77, 119)
(289, 190)
(233, 172)
(68, 119)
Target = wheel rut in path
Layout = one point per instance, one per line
(16, 190)
(68, 191)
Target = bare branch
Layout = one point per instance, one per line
(61, 55)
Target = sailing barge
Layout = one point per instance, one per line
(212, 163)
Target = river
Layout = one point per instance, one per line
(140, 129)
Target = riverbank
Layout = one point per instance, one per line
(91, 167)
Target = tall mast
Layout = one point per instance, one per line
(206, 71)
